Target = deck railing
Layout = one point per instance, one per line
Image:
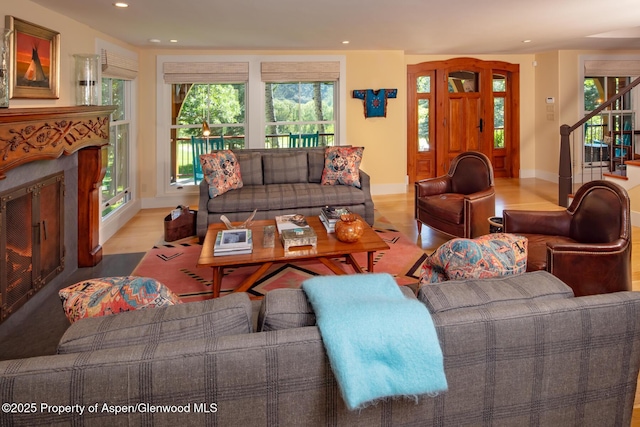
(184, 152)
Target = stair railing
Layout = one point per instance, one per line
(565, 178)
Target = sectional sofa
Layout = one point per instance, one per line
(520, 350)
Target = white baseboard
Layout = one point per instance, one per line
(528, 173)
(547, 176)
(190, 200)
(381, 189)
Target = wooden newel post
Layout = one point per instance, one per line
(565, 185)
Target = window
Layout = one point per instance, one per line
(609, 138)
(462, 81)
(247, 101)
(613, 128)
(499, 97)
(119, 70)
(222, 106)
(423, 85)
(299, 100)
(297, 108)
(115, 185)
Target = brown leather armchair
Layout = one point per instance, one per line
(460, 202)
(587, 246)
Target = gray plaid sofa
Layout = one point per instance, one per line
(280, 182)
(517, 351)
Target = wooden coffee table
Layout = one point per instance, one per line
(327, 247)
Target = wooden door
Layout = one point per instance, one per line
(458, 105)
(463, 128)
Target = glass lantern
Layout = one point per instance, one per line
(87, 85)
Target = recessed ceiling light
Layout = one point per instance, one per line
(173, 41)
(154, 40)
(526, 41)
(345, 42)
(120, 4)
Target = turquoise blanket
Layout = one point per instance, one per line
(379, 342)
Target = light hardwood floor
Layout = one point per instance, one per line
(147, 227)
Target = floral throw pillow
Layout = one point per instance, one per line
(491, 255)
(342, 166)
(221, 170)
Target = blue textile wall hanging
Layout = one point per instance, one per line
(375, 101)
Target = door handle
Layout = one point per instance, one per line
(481, 125)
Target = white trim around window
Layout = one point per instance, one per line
(114, 222)
(168, 195)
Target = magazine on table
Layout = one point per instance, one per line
(330, 227)
(331, 214)
(233, 252)
(291, 222)
(236, 240)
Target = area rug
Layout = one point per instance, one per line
(174, 264)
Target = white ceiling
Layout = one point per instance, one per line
(414, 26)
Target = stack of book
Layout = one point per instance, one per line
(291, 222)
(233, 242)
(329, 215)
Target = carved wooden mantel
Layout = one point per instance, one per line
(29, 134)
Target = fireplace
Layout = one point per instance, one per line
(60, 153)
(31, 240)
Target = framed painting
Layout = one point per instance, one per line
(34, 60)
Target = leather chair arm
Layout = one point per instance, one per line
(588, 248)
(481, 194)
(432, 186)
(478, 207)
(592, 268)
(550, 223)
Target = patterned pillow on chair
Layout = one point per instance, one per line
(222, 172)
(342, 166)
(110, 295)
(492, 255)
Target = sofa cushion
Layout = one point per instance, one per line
(447, 206)
(491, 255)
(284, 309)
(289, 308)
(277, 197)
(342, 166)
(111, 295)
(474, 293)
(228, 315)
(537, 249)
(285, 167)
(250, 167)
(316, 165)
(222, 172)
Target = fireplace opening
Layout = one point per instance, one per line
(31, 240)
